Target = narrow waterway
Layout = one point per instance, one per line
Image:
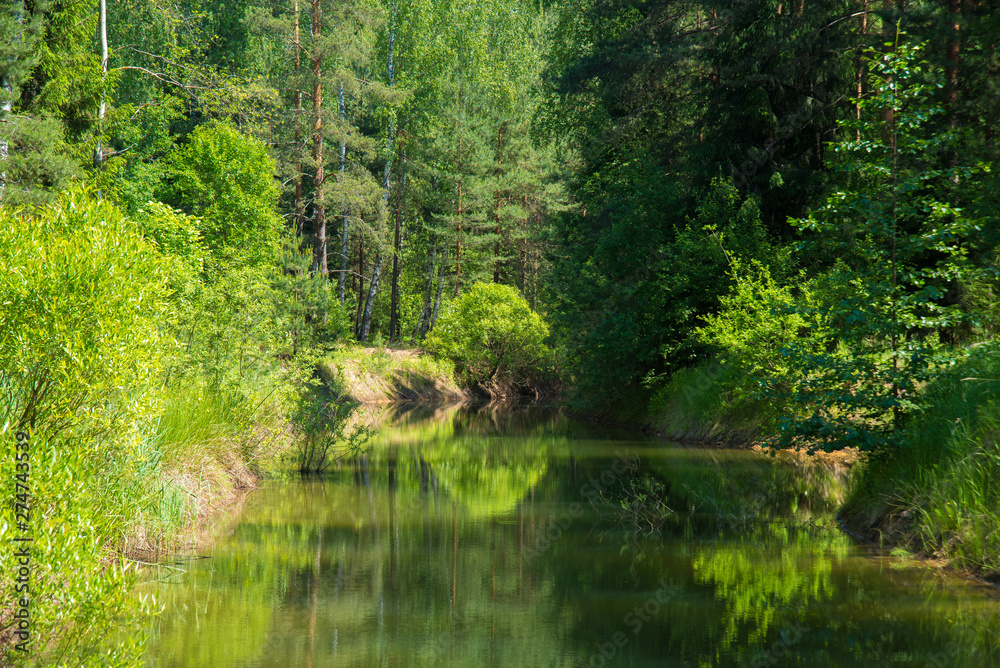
(519, 537)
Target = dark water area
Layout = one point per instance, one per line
(520, 537)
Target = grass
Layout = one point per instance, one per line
(711, 402)
(379, 375)
(106, 501)
(938, 494)
(194, 417)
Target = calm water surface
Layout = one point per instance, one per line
(519, 537)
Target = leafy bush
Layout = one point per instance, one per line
(757, 325)
(306, 306)
(83, 294)
(493, 337)
(712, 402)
(936, 493)
(325, 433)
(81, 346)
(744, 391)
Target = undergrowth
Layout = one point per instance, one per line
(938, 493)
(711, 402)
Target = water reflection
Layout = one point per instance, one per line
(492, 537)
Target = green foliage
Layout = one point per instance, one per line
(632, 293)
(306, 308)
(936, 492)
(713, 402)
(958, 503)
(227, 180)
(82, 501)
(133, 177)
(492, 336)
(757, 324)
(83, 295)
(19, 35)
(900, 248)
(321, 420)
(741, 394)
(128, 363)
(178, 238)
(67, 81)
(81, 344)
(39, 162)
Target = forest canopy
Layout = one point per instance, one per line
(623, 165)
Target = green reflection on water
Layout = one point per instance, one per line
(473, 538)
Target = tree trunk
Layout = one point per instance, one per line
(6, 109)
(319, 206)
(361, 287)
(988, 125)
(437, 298)
(889, 34)
(396, 251)
(4, 148)
(345, 234)
(366, 317)
(458, 243)
(102, 36)
(524, 248)
(953, 49)
(391, 134)
(534, 281)
(423, 323)
(299, 209)
(496, 247)
(859, 68)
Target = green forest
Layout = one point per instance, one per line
(734, 222)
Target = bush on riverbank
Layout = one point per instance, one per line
(495, 340)
(81, 346)
(711, 403)
(742, 394)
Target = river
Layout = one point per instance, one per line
(519, 537)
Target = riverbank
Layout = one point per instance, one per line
(214, 482)
(188, 475)
(937, 495)
(381, 375)
(932, 496)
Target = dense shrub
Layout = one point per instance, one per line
(937, 492)
(758, 324)
(83, 298)
(493, 337)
